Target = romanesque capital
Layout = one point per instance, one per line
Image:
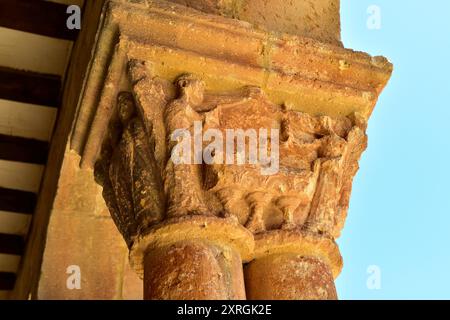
(219, 141)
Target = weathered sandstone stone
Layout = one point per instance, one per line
(193, 270)
(289, 276)
(159, 67)
(318, 19)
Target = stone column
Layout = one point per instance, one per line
(169, 73)
(193, 270)
(293, 265)
(290, 276)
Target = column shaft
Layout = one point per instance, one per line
(289, 277)
(191, 270)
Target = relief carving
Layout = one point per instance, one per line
(318, 158)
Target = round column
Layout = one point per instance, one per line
(190, 270)
(293, 265)
(289, 277)
(193, 258)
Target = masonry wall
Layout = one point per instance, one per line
(82, 233)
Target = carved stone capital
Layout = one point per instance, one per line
(144, 187)
(161, 67)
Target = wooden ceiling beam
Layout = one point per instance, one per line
(17, 201)
(39, 17)
(29, 87)
(11, 244)
(7, 280)
(23, 149)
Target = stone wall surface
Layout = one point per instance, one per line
(318, 19)
(81, 233)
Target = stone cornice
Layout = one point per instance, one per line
(300, 73)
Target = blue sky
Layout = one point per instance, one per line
(399, 217)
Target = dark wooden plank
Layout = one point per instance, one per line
(39, 17)
(11, 244)
(29, 87)
(7, 280)
(17, 201)
(23, 149)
